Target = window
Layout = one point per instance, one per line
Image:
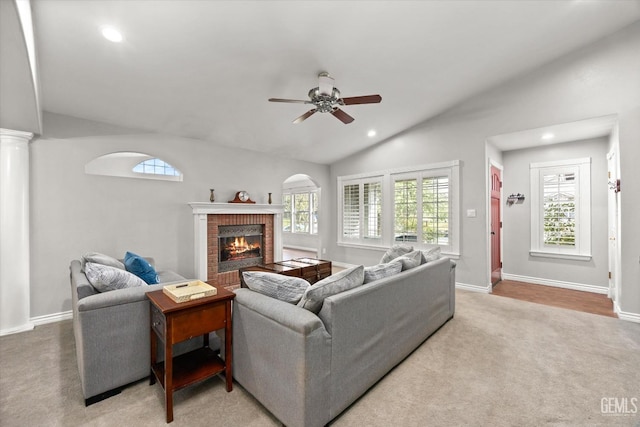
(156, 167)
(131, 164)
(413, 205)
(421, 207)
(286, 217)
(362, 210)
(560, 209)
(300, 212)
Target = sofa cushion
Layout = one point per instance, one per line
(165, 276)
(394, 252)
(105, 278)
(285, 288)
(410, 260)
(140, 267)
(98, 258)
(342, 281)
(431, 254)
(380, 271)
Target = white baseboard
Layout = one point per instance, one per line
(22, 328)
(473, 288)
(300, 248)
(52, 318)
(625, 315)
(343, 264)
(556, 283)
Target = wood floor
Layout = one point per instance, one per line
(557, 297)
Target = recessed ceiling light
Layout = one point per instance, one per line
(548, 136)
(112, 34)
(371, 133)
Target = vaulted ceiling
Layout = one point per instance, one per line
(205, 69)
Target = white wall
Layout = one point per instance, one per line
(516, 229)
(598, 80)
(73, 213)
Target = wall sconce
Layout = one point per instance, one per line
(515, 198)
(615, 186)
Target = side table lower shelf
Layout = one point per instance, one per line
(190, 368)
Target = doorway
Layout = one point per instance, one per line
(496, 224)
(301, 221)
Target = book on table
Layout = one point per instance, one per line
(188, 291)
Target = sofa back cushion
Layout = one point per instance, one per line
(105, 278)
(342, 281)
(98, 258)
(285, 288)
(394, 252)
(410, 260)
(381, 271)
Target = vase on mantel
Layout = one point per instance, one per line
(212, 197)
(269, 198)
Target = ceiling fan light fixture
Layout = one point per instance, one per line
(326, 98)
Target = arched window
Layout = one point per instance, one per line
(156, 167)
(133, 165)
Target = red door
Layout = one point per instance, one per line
(496, 262)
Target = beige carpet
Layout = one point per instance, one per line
(499, 362)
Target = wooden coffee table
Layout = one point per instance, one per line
(310, 269)
(173, 322)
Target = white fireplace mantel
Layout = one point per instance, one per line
(202, 209)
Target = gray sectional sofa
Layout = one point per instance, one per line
(112, 333)
(307, 368)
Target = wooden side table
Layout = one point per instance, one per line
(173, 322)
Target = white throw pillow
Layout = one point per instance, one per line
(394, 252)
(342, 281)
(381, 271)
(105, 278)
(285, 288)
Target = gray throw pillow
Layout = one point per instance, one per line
(394, 252)
(98, 258)
(381, 271)
(285, 288)
(105, 278)
(431, 254)
(410, 260)
(342, 281)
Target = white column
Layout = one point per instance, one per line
(14, 232)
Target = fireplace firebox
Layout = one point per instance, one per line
(239, 246)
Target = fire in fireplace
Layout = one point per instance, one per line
(239, 246)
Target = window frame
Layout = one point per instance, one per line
(363, 238)
(581, 250)
(387, 178)
(312, 211)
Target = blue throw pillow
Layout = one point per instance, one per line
(140, 267)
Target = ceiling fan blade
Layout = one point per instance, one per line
(367, 99)
(305, 116)
(342, 116)
(296, 101)
(325, 84)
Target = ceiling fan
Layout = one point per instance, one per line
(326, 99)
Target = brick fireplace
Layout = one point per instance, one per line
(209, 218)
